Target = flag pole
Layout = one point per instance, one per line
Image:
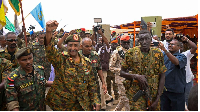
(25, 17)
(23, 22)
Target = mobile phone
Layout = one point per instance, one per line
(155, 43)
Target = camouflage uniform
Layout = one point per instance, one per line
(96, 65)
(115, 67)
(151, 65)
(40, 59)
(74, 86)
(26, 91)
(5, 68)
(5, 54)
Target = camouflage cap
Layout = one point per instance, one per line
(23, 52)
(72, 38)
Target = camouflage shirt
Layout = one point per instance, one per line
(151, 65)
(74, 83)
(95, 61)
(5, 54)
(5, 68)
(26, 91)
(115, 64)
(39, 58)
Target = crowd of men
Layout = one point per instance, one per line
(146, 77)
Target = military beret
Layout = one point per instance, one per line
(125, 38)
(73, 38)
(23, 52)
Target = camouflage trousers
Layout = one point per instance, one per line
(123, 100)
(110, 77)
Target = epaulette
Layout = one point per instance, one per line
(87, 59)
(95, 53)
(2, 50)
(12, 77)
(65, 53)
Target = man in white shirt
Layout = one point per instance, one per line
(169, 35)
(189, 75)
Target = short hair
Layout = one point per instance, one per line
(170, 30)
(85, 39)
(179, 43)
(143, 32)
(6, 36)
(193, 99)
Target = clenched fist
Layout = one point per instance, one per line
(51, 25)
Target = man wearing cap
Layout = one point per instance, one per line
(5, 68)
(39, 58)
(117, 57)
(74, 86)
(11, 49)
(25, 86)
(145, 81)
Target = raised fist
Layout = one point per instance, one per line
(51, 25)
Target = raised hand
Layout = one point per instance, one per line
(51, 25)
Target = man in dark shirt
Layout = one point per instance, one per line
(173, 98)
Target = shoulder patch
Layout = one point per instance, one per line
(41, 67)
(12, 77)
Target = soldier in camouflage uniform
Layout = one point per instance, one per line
(11, 49)
(74, 86)
(115, 66)
(86, 45)
(5, 68)
(147, 69)
(39, 58)
(25, 86)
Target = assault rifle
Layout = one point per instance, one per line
(147, 95)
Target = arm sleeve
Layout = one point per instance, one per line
(125, 61)
(93, 89)
(112, 63)
(162, 68)
(11, 95)
(182, 60)
(52, 55)
(7, 66)
(99, 67)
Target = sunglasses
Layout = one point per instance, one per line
(11, 40)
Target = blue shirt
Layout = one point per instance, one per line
(175, 75)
